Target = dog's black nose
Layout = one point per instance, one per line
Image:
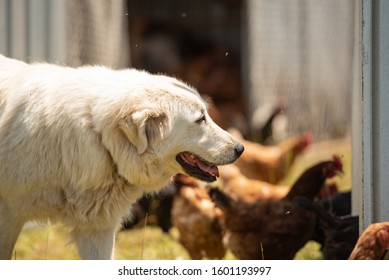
(239, 149)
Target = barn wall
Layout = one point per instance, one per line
(371, 128)
(301, 52)
(65, 31)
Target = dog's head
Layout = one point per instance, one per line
(160, 127)
(172, 131)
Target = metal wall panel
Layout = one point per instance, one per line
(31, 29)
(73, 32)
(301, 52)
(372, 126)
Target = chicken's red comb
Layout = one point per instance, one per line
(338, 162)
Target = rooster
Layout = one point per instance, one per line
(274, 229)
(373, 243)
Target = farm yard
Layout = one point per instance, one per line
(291, 80)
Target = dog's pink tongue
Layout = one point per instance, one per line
(208, 168)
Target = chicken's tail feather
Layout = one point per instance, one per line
(221, 200)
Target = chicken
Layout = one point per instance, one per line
(265, 230)
(274, 229)
(156, 207)
(337, 235)
(340, 237)
(328, 192)
(373, 243)
(271, 163)
(267, 125)
(241, 188)
(339, 204)
(197, 220)
(312, 179)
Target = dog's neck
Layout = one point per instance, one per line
(116, 174)
(119, 177)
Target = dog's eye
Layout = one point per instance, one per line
(201, 119)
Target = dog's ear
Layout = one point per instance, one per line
(144, 128)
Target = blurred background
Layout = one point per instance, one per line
(249, 56)
(271, 69)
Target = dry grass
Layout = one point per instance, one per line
(150, 243)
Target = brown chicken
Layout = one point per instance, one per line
(271, 163)
(373, 243)
(265, 230)
(197, 220)
(241, 188)
(274, 229)
(311, 181)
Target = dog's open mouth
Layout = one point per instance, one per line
(196, 167)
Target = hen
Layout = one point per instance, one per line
(197, 220)
(156, 207)
(264, 230)
(312, 179)
(373, 243)
(274, 229)
(266, 124)
(338, 204)
(271, 163)
(241, 188)
(232, 177)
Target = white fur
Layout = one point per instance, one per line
(81, 145)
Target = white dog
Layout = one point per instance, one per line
(81, 145)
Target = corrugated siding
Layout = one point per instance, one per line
(371, 128)
(74, 32)
(302, 52)
(97, 33)
(33, 30)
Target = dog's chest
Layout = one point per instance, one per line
(99, 207)
(104, 205)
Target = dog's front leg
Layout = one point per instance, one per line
(95, 244)
(10, 228)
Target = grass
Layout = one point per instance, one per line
(50, 243)
(150, 243)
